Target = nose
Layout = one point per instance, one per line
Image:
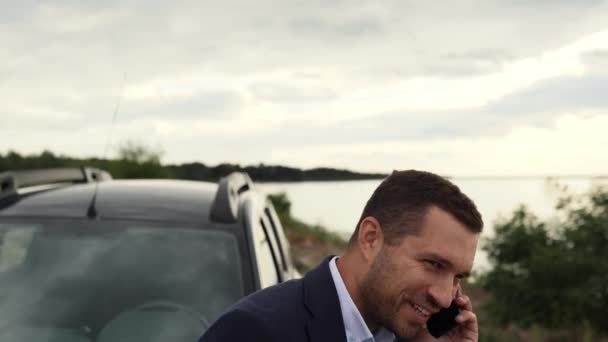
(442, 293)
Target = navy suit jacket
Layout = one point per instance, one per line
(302, 310)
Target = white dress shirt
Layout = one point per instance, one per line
(354, 325)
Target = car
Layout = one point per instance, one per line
(84, 257)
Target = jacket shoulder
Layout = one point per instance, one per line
(276, 302)
(238, 325)
(271, 314)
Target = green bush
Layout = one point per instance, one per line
(552, 276)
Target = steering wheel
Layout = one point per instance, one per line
(155, 321)
(169, 306)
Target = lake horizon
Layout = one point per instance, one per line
(337, 205)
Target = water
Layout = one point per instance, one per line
(338, 205)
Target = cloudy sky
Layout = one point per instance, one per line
(471, 87)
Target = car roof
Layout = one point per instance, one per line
(165, 200)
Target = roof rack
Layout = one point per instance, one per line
(225, 207)
(11, 181)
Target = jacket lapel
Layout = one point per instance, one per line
(321, 299)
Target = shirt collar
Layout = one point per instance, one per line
(354, 324)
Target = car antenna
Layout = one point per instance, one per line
(91, 211)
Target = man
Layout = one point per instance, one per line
(415, 241)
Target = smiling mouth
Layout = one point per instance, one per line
(420, 310)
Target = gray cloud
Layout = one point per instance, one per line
(210, 105)
(62, 63)
(280, 93)
(597, 61)
(596, 54)
(468, 63)
(483, 55)
(351, 27)
(557, 95)
(450, 65)
(538, 105)
(96, 41)
(378, 128)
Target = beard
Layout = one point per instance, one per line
(380, 307)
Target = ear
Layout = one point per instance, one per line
(370, 238)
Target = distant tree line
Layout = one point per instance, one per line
(135, 161)
(265, 173)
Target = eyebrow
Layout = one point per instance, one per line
(446, 262)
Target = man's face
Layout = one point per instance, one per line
(409, 282)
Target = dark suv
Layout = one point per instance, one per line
(87, 258)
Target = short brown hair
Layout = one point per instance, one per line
(401, 201)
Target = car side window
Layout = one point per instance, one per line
(276, 245)
(282, 238)
(273, 231)
(265, 259)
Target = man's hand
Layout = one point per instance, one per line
(466, 329)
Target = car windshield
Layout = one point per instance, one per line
(114, 281)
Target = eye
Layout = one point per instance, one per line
(434, 264)
(459, 278)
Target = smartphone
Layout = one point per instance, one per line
(444, 320)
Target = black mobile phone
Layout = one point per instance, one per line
(444, 320)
